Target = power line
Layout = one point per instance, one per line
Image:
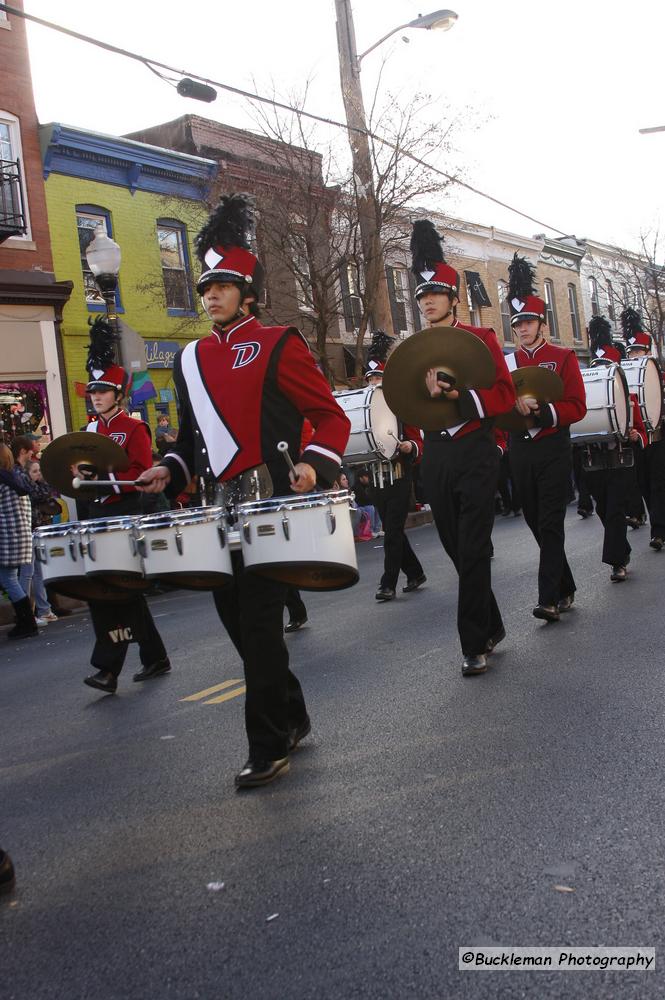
(152, 63)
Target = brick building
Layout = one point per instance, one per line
(152, 203)
(31, 300)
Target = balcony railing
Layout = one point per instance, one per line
(12, 212)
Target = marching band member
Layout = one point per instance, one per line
(540, 458)
(117, 623)
(460, 465)
(392, 499)
(650, 461)
(242, 390)
(608, 477)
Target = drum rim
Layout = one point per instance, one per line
(99, 525)
(304, 501)
(166, 519)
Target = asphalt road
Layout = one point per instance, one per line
(426, 812)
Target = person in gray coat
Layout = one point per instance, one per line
(15, 544)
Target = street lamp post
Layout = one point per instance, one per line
(103, 257)
(369, 213)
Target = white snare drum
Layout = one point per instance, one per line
(305, 541)
(608, 406)
(110, 553)
(372, 425)
(186, 548)
(643, 376)
(57, 549)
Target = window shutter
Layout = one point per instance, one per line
(415, 311)
(347, 305)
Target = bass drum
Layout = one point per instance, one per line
(608, 406)
(373, 425)
(644, 382)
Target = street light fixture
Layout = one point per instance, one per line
(103, 257)
(368, 208)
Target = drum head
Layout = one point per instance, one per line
(653, 393)
(384, 423)
(309, 575)
(88, 588)
(622, 401)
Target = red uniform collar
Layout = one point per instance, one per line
(226, 332)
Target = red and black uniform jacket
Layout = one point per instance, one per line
(638, 424)
(554, 417)
(133, 436)
(241, 391)
(478, 406)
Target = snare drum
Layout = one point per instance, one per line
(111, 555)
(372, 425)
(305, 541)
(643, 377)
(608, 406)
(57, 549)
(186, 548)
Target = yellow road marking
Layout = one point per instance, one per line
(226, 697)
(218, 687)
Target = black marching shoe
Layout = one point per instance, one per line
(299, 733)
(495, 639)
(566, 603)
(547, 612)
(413, 584)
(385, 594)
(153, 670)
(260, 772)
(102, 681)
(656, 543)
(474, 665)
(618, 574)
(294, 624)
(7, 875)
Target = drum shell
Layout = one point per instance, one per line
(58, 547)
(305, 541)
(187, 548)
(644, 381)
(111, 554)
(372, 425)
(608, 406)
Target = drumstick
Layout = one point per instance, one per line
(393, 435)
(77, 482)
(284, 449)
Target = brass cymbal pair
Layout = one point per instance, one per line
(463, 359)
(81, 446)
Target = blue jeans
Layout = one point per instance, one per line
(374, 519)
(9, 580)
(32, 573)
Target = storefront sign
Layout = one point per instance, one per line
(160, 353)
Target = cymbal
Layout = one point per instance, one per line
(80, 446)
(458, 353)
(541, 383)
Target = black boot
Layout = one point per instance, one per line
(25, 620)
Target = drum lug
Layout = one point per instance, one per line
(286, 527)
(91, 549)
(72, 547)
(179, 544)
(40, 552)
(247, 532)
(221, 531)
(139, 546)
(332, 521)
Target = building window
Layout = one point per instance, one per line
(352, 306)
(89, 219)
(574, 313)
(593, 295)
(502, 290)
(14, 220)
(301, 271)
(611, 312)
(474, 314)
(550, 306)
(399, 293)
(174, 257)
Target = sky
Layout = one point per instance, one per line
(547, 97)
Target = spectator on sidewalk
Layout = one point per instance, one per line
(41, 495)
(361, 488)
(15, 544)
(165, 435)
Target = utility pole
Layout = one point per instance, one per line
(369, 215)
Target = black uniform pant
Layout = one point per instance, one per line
(584, 501)
(295, 605)
(541, 473)
(392, 503)
(651, 475)
(459, 478)
(116, 624)
(611, 489)
(252, 610)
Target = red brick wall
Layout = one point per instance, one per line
(16, 97)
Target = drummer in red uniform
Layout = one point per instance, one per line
(242, 390)
(540, 457)
(117, 623)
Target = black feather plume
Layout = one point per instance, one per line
(631, 323)
(230, 225)
(600, 333)
(521, 276)
(101, 352)
(426, 247)
(379, 346)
